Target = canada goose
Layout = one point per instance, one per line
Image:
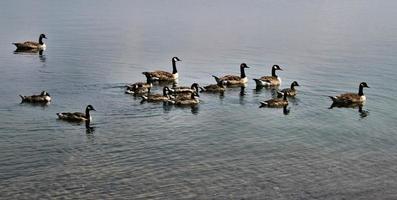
(139, 87)
(77, 116)
(193, 100)
(184, 91)
(137, 90)
(348, 99)
(163, 75)
(275, 103)
(29, 45)
(233, 80)
(289, 91)
(268, 81)
(43, 97)
(147, 84)
(157, 97)
(214, 88)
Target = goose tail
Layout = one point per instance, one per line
(22, 97)
(334, 99)
(202, 89)
(263, 104)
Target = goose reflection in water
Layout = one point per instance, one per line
(88, 128)
(359, 106)
(32, 52)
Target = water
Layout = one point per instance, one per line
(227, 148)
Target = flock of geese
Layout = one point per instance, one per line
(189, 95)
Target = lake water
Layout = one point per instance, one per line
(227, 148)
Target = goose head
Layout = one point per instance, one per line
(276, 67)
(165, 90)
(42, 36)
(44, 93)
(293, 84)
(90, 107)
(364, 84)
(243, 66)
(175, 59)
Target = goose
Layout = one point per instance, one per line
(43, 97)
(275, 103)
(269, 81)
(291, 92)
(163, 75)
(214, 88)
(77, 116)
(185, 90)
(137, 90)
(347, 99)
(147, 84)
(193, 100)
(139, 87)
(157, 97)
(29, 45)
(233, 80)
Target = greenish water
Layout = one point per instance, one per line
(227, 148)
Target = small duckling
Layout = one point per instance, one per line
(233, 80)
(347, 99)
(269, 81)
(29, 45)
(275, 103)
(157, 97)
(291, 92)
(214, 88)
(43, 97)
(77, 116)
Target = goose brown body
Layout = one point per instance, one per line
(234, 80)
(185, 101)
(275, 103)
(269, 81)
(347, 99)
(291, 92)
(30, 45)
(214, 88)
(160, 75)
(157, 97)
(43, 97)
(77, 116)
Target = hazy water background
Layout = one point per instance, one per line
(228, 148)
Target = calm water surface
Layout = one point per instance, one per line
(227, 148)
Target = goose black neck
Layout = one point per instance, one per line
(360, 90)
(174, 71)
(242, 72)
(292, 86)
(274, 72)
(285, 96)
(41, 40)
(87, 114)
